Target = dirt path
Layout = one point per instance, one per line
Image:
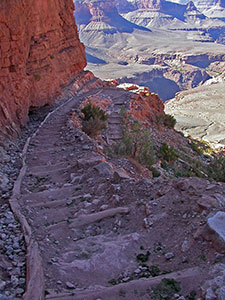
(92, 225)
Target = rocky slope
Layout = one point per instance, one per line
(200, 113)
(102, 227)
(40, 53)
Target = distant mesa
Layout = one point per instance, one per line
(204, 19)
(192, 12)
(99, 15)
(160, 13)
(210, 8)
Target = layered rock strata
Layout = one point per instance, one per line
(40, 53)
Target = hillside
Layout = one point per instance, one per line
(99, 205)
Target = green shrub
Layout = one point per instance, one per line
(136, 143)
(94, 119)
(93, 112)
(154, 271)
(196, 147)
(200, 147)
(166, 289)
(143, 257)
(168, 153)
(155, 172)
(167, 120)
(93, 127)
(216, 169)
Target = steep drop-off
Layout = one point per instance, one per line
(40, 52)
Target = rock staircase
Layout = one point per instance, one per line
(114, 130)
(86, 220)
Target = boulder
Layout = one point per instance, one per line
(104, 169)
(215, 231)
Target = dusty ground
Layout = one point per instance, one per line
(104, 231)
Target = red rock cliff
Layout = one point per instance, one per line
(40, 51)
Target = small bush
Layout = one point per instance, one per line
(168, 153)
(93, 112)
(94, 119)
(154, 271)
(136, 143)
(155, 172)
(200, 147)
(93, 127)
(196, 148)
(166, 289)
(167, 120)
(143, 257)
(216, 169)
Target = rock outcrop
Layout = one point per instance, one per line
(101, 17)
(192, 12)
(40, 53)
(94, 11)
(211, 8)
(215, 231)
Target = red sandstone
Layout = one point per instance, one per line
(40, 52)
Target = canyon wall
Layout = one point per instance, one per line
(40, 52)
(87, 11)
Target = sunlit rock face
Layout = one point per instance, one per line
(40, 52)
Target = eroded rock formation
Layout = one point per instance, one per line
(40, 52)
(94, 11)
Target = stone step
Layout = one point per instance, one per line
(115, 136)
(114, 131)
(126, 289)
(56, 203)
(114, 121)
(42, 146)
(46, 139)
(115, 115)
(52, 216)
(46, 169)
(119, 101)
(52, 150)
(114, 126)
(52, 194)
